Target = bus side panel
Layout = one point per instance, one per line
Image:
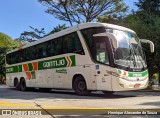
(83, 67)
(9, 80)
(93, 77)
(43, 79)
(10, 77)
(83, 71)
(104, 79)
(61, 78)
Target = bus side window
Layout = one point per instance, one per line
(68, 44)
(72, 44)
(50, 48)
(9, 58)
(30, 53)
(77, 45)
(21, 55)
(16, 57)
(65, 47)
(58, 46)
(41, 50)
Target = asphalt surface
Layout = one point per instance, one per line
(63, 100)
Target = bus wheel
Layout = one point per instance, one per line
(108, 92)
(16, 84)
(23, 85)
(79, 86)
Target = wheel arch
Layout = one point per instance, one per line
(14, 80)
(75, 76)
(22, 79)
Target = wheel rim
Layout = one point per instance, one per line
(81, 86)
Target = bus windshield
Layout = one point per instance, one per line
(129, 51)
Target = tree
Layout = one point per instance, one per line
(149, 6)
(149, 14)
(6, 44)
(31, 36)
(82, 10)
(58, 28)
(146, 23)
(35, 34)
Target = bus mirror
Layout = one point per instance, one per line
(150, 43)
(109, 35)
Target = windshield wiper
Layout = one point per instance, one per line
(132, 56)
(135, 51)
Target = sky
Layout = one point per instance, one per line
(17, 15)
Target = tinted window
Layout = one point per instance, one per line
(66, 44)
(30, 53)
(41, 50)
(72, 44)
(97, 45)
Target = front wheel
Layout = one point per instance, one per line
(79, 86)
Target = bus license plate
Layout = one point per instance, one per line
(137, 85)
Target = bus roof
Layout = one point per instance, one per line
(73, 29)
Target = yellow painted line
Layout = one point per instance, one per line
(66, 107)
(8, 104)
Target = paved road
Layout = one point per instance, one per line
(34, 99)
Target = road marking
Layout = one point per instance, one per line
(9, 104)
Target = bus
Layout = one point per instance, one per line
(87, 57)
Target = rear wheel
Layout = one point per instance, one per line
(23, 85)
(16, 84)
(79, 86)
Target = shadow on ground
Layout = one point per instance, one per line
(12, 93)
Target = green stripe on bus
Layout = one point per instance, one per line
(12, 69)
(46, 64)
(73, 60)
(20, 68)
(30, 66)
(137, 74)
(56, 63)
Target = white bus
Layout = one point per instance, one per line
(87, 57)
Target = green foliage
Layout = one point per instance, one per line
(6, 44)
(149, 6)
(155, 76)
(35, 34)
(31, 36)
(146, 23)
(58, 28)
(82, 10)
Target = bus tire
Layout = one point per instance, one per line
(108, 92)
(79, 86)
(23, 85)
(16, 84)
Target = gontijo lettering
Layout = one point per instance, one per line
(54, 63)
